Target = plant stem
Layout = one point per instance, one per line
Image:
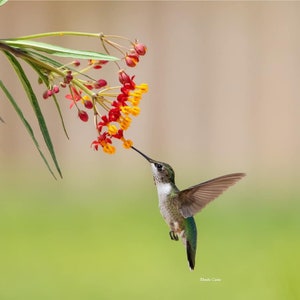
(58, 33)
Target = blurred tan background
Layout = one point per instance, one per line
(223, 78)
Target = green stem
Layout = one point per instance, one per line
(117, 37)
(83, 87)
(58, 33)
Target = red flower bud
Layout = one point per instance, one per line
(45, 95)
(97, 66)
(123, 77)
(55, 89)
(83, 115)
(88, 104)
(141, 49)
(131, 60)
(76, 63)
(68, 78)
(100, 83)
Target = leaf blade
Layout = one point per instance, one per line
(2, 2)
(58, 50)
(35, 105)
(46, 82)
(26, 124)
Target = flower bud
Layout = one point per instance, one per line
(45, 95)
(141, 49)
(55, 89)
(76, 63)
(124, 77)
(88, 104)
(131, 60)
(100, 83)
(83, 115)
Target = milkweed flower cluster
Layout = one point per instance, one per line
(112, 106)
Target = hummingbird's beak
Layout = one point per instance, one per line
(145, 156)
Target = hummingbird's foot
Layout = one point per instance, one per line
(173, 236)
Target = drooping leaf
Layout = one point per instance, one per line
(60, 116)
(57, 50)
(35, 105)
(26, 124)
(45, 79)
(45, 59)
(2, 2)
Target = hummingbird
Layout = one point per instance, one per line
(179, 207)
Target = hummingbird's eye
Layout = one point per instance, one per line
(159, 166)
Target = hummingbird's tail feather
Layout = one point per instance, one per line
(191, 241)
(191, 255)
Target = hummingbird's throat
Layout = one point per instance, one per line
(163, 188)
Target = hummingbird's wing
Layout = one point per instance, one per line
(193, 199)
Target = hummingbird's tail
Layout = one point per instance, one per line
(191, 241)
(191, 255)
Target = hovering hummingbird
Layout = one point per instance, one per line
(178, 207)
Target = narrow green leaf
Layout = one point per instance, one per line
(2, 2)
(45, 59)
(57, 50)
(35, 105)
(46, 82)
(26, 124)
(60, 115)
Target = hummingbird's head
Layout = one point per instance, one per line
(162, 172)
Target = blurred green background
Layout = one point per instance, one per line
(224, 97)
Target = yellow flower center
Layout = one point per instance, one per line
(112, 129)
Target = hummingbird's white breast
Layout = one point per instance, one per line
(163, 189)
(166, 205)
